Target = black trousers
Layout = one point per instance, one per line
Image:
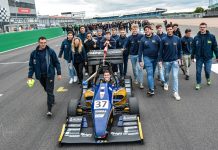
(79, 70)
(48, 85)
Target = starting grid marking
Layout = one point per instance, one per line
(61, 90)
(10, 63)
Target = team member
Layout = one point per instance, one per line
(120, 45)
(107, 77)
(99, 38)
(149, 49)
(82, 34)
(89, 45)
(109, 42)
(43, 61)
(204, 45)
(114, 34)
(160, 73)
(65, 49)
(176, 30)
(186, 52)
(132, 45)
(78, 57)
(170, 55)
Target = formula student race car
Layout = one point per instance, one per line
(105, 112)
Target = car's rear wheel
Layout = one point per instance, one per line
(133, 106)
(72, 108)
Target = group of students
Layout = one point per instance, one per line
(166, 51)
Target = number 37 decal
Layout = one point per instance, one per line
(101, 104)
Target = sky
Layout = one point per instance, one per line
(95, 8)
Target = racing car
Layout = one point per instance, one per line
(105, 112)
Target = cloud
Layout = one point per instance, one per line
(111, 7)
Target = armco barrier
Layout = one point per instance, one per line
(17, 39)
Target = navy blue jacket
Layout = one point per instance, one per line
(65, 49)
(115, 37)
(177, 33)
(132, 44)
(162, 35)
(204, 45)
(52, 62)
(150, 47)
(120, 44)
(170, 49)
(186, 45)
(112, 43)
(98, 43)
(82, 36)
(76, 57)
(89, 45)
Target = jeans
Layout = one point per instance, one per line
(137, 70)
(71, 69)
(150, 66)
(207, 69)
(160, 72)
(186, 63)
(175, 70)
(123, 66)
(48, 85)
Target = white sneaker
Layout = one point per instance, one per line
(141, 86)
(49, 114)
(166, 87)
(136, 82)
(71, 81)
(176, 96)
(75, 79)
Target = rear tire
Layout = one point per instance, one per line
(72, 108)
(133, 106)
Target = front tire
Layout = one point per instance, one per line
(133, 106)
(72, 108)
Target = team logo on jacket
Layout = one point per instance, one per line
(65, 46)
(209, 42)
(34, 61)
(197, 42)
(166, 43)
(175, 44)
(153, 41)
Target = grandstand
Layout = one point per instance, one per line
(140, 15)
(213, 9)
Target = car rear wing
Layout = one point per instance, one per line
(114, 56)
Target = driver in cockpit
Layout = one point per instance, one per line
(107, 77)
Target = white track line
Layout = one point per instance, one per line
(214, 68)
(9, 63)
(27, 45)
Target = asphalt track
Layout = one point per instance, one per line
(190, 124)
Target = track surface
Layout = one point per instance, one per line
(191, 124)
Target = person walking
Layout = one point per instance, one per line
(43, 62)
(65, 50)
(204, 45)
(78, 57)
(170, 57)
(149, 49)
